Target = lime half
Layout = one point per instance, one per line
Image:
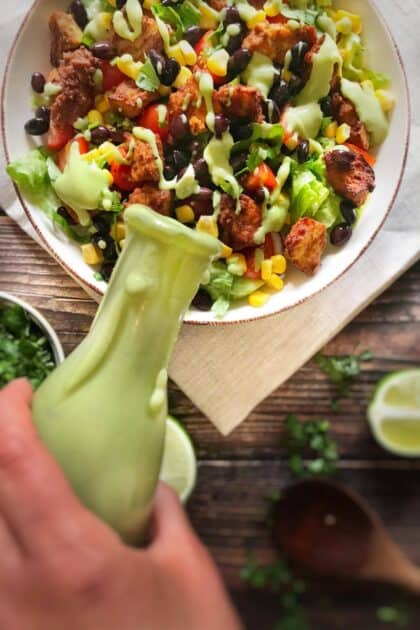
(179, 466)
(394, 413)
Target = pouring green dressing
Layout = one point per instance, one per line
(306, 120)
(103, 412)
(217, 154)
(324, 63)
(260, 73)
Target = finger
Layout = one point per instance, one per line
(35, 499)
(170, 521)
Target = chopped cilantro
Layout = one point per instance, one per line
(342, 370)
(311, 449)
(24, 349)
(148, 79)
(397, 615)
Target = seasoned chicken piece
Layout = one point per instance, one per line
(75, 75)
(130, 100)
(350, 175)
(239, 101)
(138, 49)
(345, 112)
(274, 40)
(149, 195)
(65, 33)
(188, 100)
(144, 167)
(238, 230)
(305, 244)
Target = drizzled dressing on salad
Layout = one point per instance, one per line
(254, 124)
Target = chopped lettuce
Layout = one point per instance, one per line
(353, 63)
(264, 144)
(310, 194)
(179, 16)
(148, 79)
(223, 287)
(32, 174)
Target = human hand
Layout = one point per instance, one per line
(63, 569)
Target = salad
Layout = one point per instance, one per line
(252, 121)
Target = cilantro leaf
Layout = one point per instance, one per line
(148, 79)
(342, 370)
(311, 450)
(179, 16)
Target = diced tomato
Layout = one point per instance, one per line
(121, 174)
(150, 119)
(112, 76)
(272, 245)
(58, 138)
(83, 145)
(370, 159)
(250, 265)
(261, 176)
(203, 43)
(277, 19)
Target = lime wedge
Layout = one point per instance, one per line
(394, 413)
(179, 466)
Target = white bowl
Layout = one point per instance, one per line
(30, 52)
(40, 321)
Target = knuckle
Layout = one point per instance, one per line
(86, 580)
(14, 453)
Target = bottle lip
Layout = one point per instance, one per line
(146, 221)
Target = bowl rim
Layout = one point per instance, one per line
(40, 321)
(93, 288)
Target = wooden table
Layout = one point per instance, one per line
(236, 473)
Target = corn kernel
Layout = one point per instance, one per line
(292, 142)
(122, 243)
(275, 282)
(266, 269)
(226, 251)
(209, 18)
(94, 117)
(271, 8)
(287, 75)
(105, 19)
(279, 263)
(109, 176)
(185, 214)
(258, 299)
(344, 26)
(208, 225)
(343, 133)
(217, 62)
(386, 100)
(331, 130)
(92, 255)
(129, 67)
(102, 104)
(188, 51)
(118, 231)
(253, 20)
(356, 20)
(183, 77)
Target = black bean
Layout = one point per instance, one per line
(348, 210)
(180, 159)
(100, 134)
(38, 82)
(121, 4)
(104, 50)
(63, 212)
(202, 173)
(78, 10)
(295, 86)
(196, 149)
(170, 71)
(202, 301)
(106, 244)
(258, 195)
(202, 202)
(179, 127)
(235, 41)
(271, 111)
(340, 234)
(238, 161)
(299, 51)
(106, 270)
(37, 126)
(169, 172)
(117, 136)
(157, 60)
(221, 124)
(43, 112)
(238, 62)
(193, 34)
(232, 16)
(101, 225)
(326, 106)
(303, 151)
(280, 94)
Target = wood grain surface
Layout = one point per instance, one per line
(238, 472)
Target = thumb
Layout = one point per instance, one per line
(169, 518)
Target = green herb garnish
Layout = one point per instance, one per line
(148, 79)
(24, 349)
(310, 447)
(397, 615)
(342, 370)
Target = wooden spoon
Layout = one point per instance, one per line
(331, 530)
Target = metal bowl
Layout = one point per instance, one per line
(40, 321)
